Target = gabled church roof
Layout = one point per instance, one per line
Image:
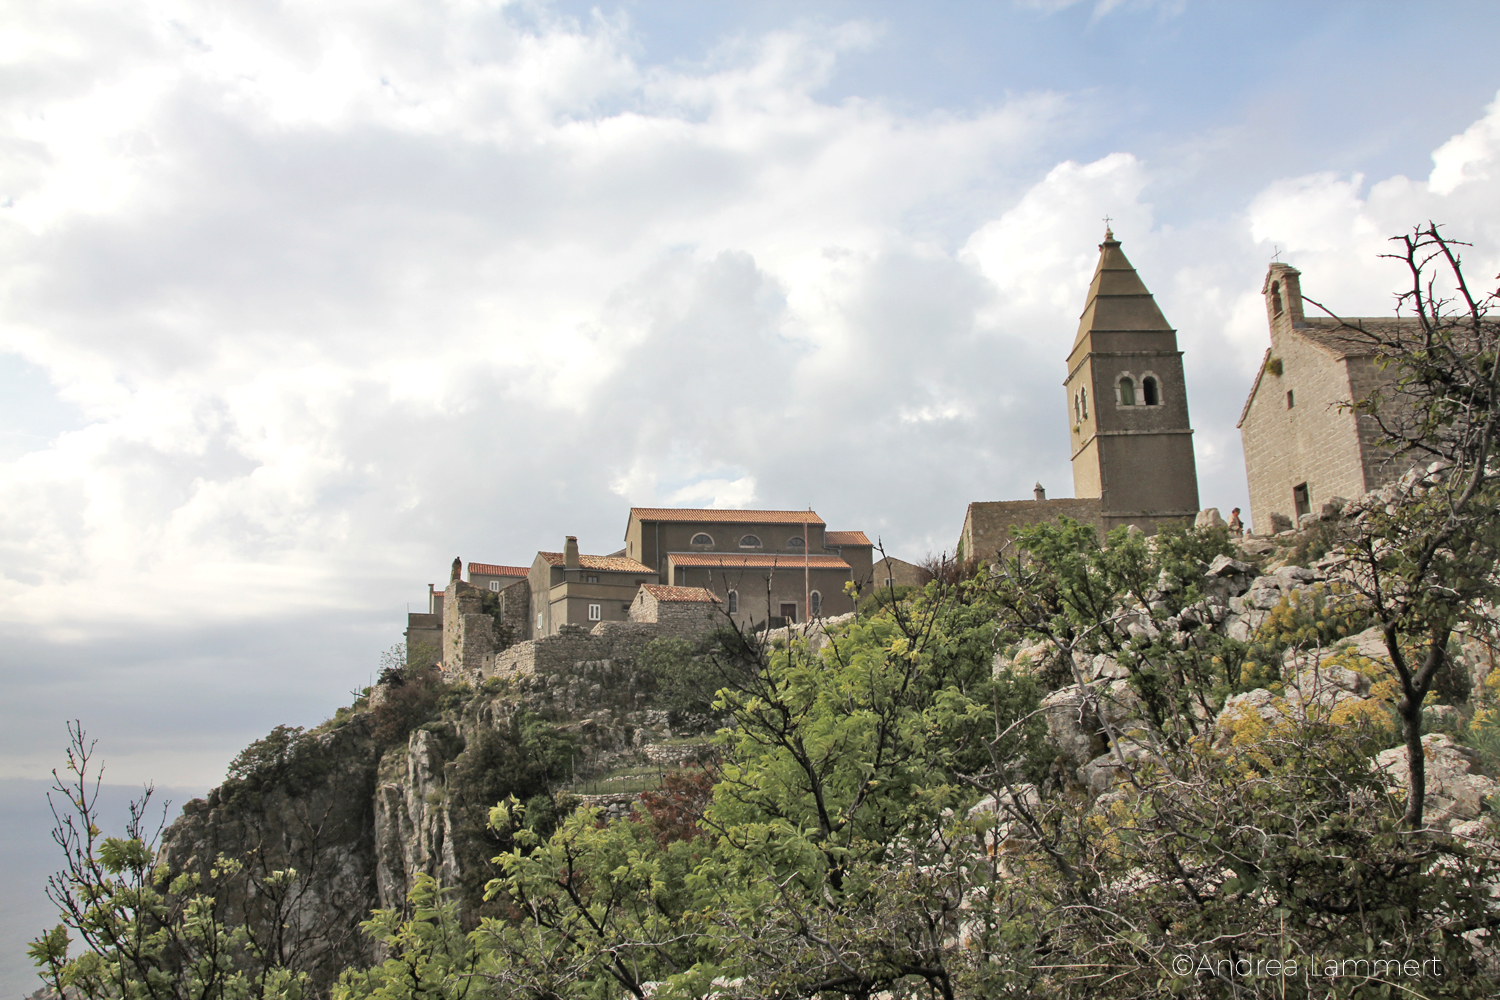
(1118, 300)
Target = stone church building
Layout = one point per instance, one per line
(1132, 443)
(1303, 445)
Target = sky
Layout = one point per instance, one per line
(299, 301)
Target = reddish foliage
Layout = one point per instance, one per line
(675, 808)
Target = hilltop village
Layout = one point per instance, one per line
(603, 681)
(685, 571)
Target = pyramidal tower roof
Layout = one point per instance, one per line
(1118, 300)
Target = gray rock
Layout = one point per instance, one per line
(1227, 566)
(1456, 788)
(1291, 577)
(1334, 508)
(1073, 727)
(1263, 598)
(1209, 517)
(1252, 546)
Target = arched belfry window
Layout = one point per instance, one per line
(1077, 409)
(815, 607)
(1127, 390)
(750, 542)
(1083, 397)
(702, 538)
(1150, 392)
(1276, 298)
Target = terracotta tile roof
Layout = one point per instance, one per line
(614, 564)
(662, 592)
(734, 560)
(845, 538)
(691, 514)
(490, 569)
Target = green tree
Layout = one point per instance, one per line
(1422, 554)
(145, 932)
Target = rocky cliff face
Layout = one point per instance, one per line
(359, 814)
(314, 813)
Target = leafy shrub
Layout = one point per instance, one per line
(412, 697)
(288, 757)
(675, 809)
(686, 679)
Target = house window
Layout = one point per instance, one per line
(702, 538)
(591, 579)
(796, 542)
(593, 612)
(815, 604)
(734, 602)
(1301, 500)
(1127, 391)
(889, 582)
(1150, 392)
(538, 621)
(624, 608)
(495, 585)
(1291, 400)
(750, 542)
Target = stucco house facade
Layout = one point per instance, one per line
(766, 566)
(569, 588)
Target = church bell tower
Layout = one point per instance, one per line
(1132, 442)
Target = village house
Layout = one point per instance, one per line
(572, 589)
(767, 566)
(1304, 446)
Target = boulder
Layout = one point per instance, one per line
(1227, 577)
(1456, 787)
(1280, 524)
(1252, 546)
(1226, 566)
(1262, 598)
(1209, 517)
(1292, 577)
(1101, 774)
(1073, 727)
(1239, 708)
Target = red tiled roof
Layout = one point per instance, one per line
(616, 564)
(731, 560)
(490, 569)
(662, 592)
(845, 538)
(691, 514)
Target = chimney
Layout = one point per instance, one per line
(1038, 492)
(570, 553)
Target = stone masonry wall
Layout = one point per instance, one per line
(1365, 377)
(468, 632)
(1310, 442)
(987, 526)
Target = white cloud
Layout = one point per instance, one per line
(341, 291)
